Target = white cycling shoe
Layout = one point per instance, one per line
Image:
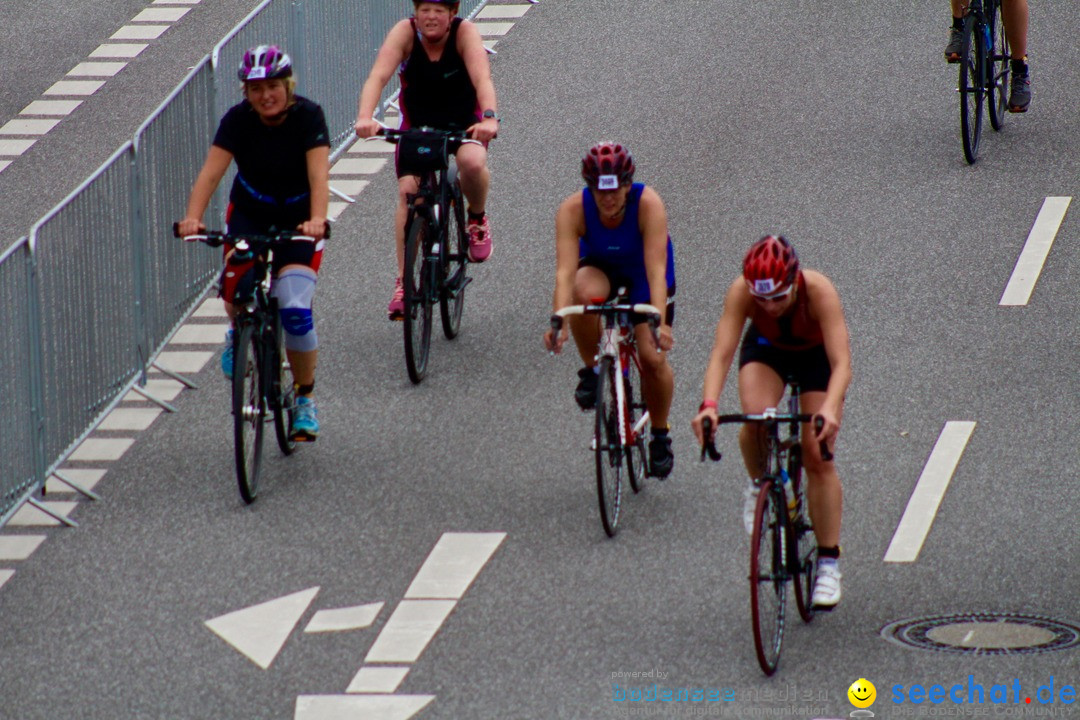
(827, 587)
(750, 495)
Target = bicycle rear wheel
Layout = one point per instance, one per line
(972, 88)
(608, 449)
(279, 389)
(454, 263)
(802, 547)
(997, 67)
(417, 325)
(636, 468)
(249, 410)
(768, 578)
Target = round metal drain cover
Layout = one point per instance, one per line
(984, 634)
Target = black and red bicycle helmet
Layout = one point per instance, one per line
(607, 165)
(770, 266)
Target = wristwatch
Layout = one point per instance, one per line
(489, 113)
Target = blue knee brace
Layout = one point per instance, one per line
(294, 290)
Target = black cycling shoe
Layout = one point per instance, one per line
(585, 394)
(661, 461)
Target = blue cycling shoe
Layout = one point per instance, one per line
(227, 355)
(305, 421)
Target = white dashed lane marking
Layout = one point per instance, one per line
(51, 107)
(19, 547)
(118, 50)
(923, 504)
(342, 619)
(96, 69)
(75, 87)
(1030, 263)
(382, 679)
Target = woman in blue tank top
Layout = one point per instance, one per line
(614, 234)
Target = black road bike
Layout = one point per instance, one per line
(436, 242)
(984, 73)
(783, 547)
(261, 388)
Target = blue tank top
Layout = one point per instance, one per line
(621, 250)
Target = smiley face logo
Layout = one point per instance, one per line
(862, 693)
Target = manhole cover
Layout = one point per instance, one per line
(984, 634)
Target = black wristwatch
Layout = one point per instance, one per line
(489, 113)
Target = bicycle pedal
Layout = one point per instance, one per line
(303, 437)
(823, 608)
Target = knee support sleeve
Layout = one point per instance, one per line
(294, 290)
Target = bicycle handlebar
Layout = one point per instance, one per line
(709, 446)
(649, 312)
(216, 238)
(393, 134)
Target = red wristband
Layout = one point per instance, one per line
(707, 404)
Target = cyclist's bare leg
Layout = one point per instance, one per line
(407, 185)
(1014, 13)
(959, 7)
(760, 387)
(589, 284)
(656, 376)
(473, 175)
(824, 492)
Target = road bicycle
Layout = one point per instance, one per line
(782, 546)
(622, 422)
(261, 389)
(984, 73)
(436, 242)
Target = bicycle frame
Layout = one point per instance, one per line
(617, 343)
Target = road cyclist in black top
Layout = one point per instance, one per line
(1014, 15)
(281, 146)
(445, 84)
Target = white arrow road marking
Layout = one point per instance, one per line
(260, 631)
(377, 679)
(360, 707)
(453, 564)
(923, 504)
(1035, 252)
(409, 630)
(350, 618)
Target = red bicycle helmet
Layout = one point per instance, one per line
(606, 166)
(770, 266)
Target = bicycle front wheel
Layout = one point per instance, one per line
(972, 87)
(280, 389)
(417, 325)
(997, 67)
(608, 448)
(802, 543)
(768, 578)
(636, 469)
(249, 410)
(454, 261)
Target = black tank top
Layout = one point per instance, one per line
(437, 94)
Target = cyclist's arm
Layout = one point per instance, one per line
(471, 48)
(725, 343)
(825, 301)
(569, 226)
(318, 171)
(652, 221)
(213, 169)
(392, 53)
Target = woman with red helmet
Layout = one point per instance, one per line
(796, 329)
(614, 234)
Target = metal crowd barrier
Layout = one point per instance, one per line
(97, 289)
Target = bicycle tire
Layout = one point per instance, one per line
(280, 389)
(768, 578)
(972, 90)
(998, 70)
(454, 261)
(416, 280)
(802, 548)
(249, 411)
(608, 449)
(636, 456)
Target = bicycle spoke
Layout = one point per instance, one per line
(768, 579)
(609, 454)
(249, 411)
(417, 325)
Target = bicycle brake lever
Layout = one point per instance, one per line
(708, 447)
(826, 455)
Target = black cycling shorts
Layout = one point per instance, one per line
(810, 368)
(617, 279)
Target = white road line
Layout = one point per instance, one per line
(502, 11)
(130, 418)
(1035, 252)
(22, 126)
(350, 618)
(922, 506)
(102, 449)
(30, 516)
(20, 547)
(118, 50)
(161, 14)
(5, 575)
(51, 107)
(488, 29)
(260, 631)
(86, 477)
(409, 630)
(199, 334)
(161, 388)
(358, 166)
(139, 32)
(15, 147)
(96, 69)
(185, 361)
(384, 679)
(360, 707)
(453, 564)
(4, 164)
(176, 2)
(74, 87)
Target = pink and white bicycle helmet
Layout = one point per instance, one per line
(264, 62)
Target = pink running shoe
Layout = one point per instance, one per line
(396, 309)
(479, 240)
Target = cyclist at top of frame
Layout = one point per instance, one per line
(445, 84)
(614, 234)
(796, 329)
(281, 146)
(1014, 14)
